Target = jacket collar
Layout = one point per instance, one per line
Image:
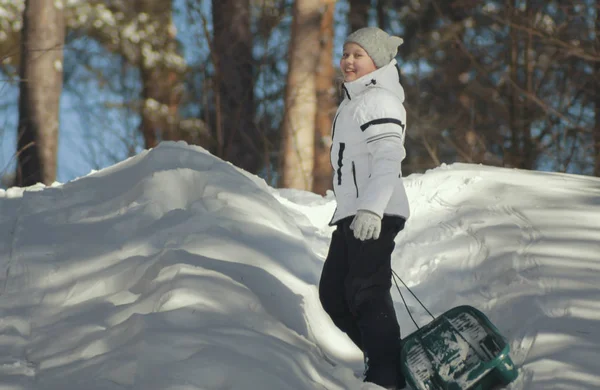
(386, 77)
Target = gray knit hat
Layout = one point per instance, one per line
(378, 44)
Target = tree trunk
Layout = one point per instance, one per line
(159, 115)
(513, 159)
(160, 82)
(523, 150)
(326, 103)
(358, 14)
(241, 142)
(597, 97)
(300, 97)
(41, 75)
(382, 7)
(529, 152)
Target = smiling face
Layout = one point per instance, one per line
(355, 62)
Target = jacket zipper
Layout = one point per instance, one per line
(333, 127)
(354, 177)
(332, 141)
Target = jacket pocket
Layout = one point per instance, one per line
(354, 177)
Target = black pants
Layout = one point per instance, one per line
(355, 291)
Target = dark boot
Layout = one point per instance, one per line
(380, 330)
(401, 379)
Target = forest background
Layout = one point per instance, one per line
(86, 84)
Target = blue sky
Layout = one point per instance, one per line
(90, 137)
(73, 159)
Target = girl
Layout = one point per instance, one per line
(372, 206)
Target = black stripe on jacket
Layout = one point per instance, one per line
(382, 121)
(340, 162)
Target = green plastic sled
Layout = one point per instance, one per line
(459, 350)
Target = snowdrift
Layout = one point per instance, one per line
(175, 270)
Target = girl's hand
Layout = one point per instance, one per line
(366, 225)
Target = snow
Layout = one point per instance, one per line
(174, 270)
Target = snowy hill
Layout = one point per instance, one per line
(173, 270)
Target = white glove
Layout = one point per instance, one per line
(366, 225)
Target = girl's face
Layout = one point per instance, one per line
(355, 62)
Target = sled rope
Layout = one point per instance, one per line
(396, 278)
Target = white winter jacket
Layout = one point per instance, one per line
(368, 146)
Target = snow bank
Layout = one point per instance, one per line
(175, 270)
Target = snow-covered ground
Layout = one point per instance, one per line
(173, 270)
